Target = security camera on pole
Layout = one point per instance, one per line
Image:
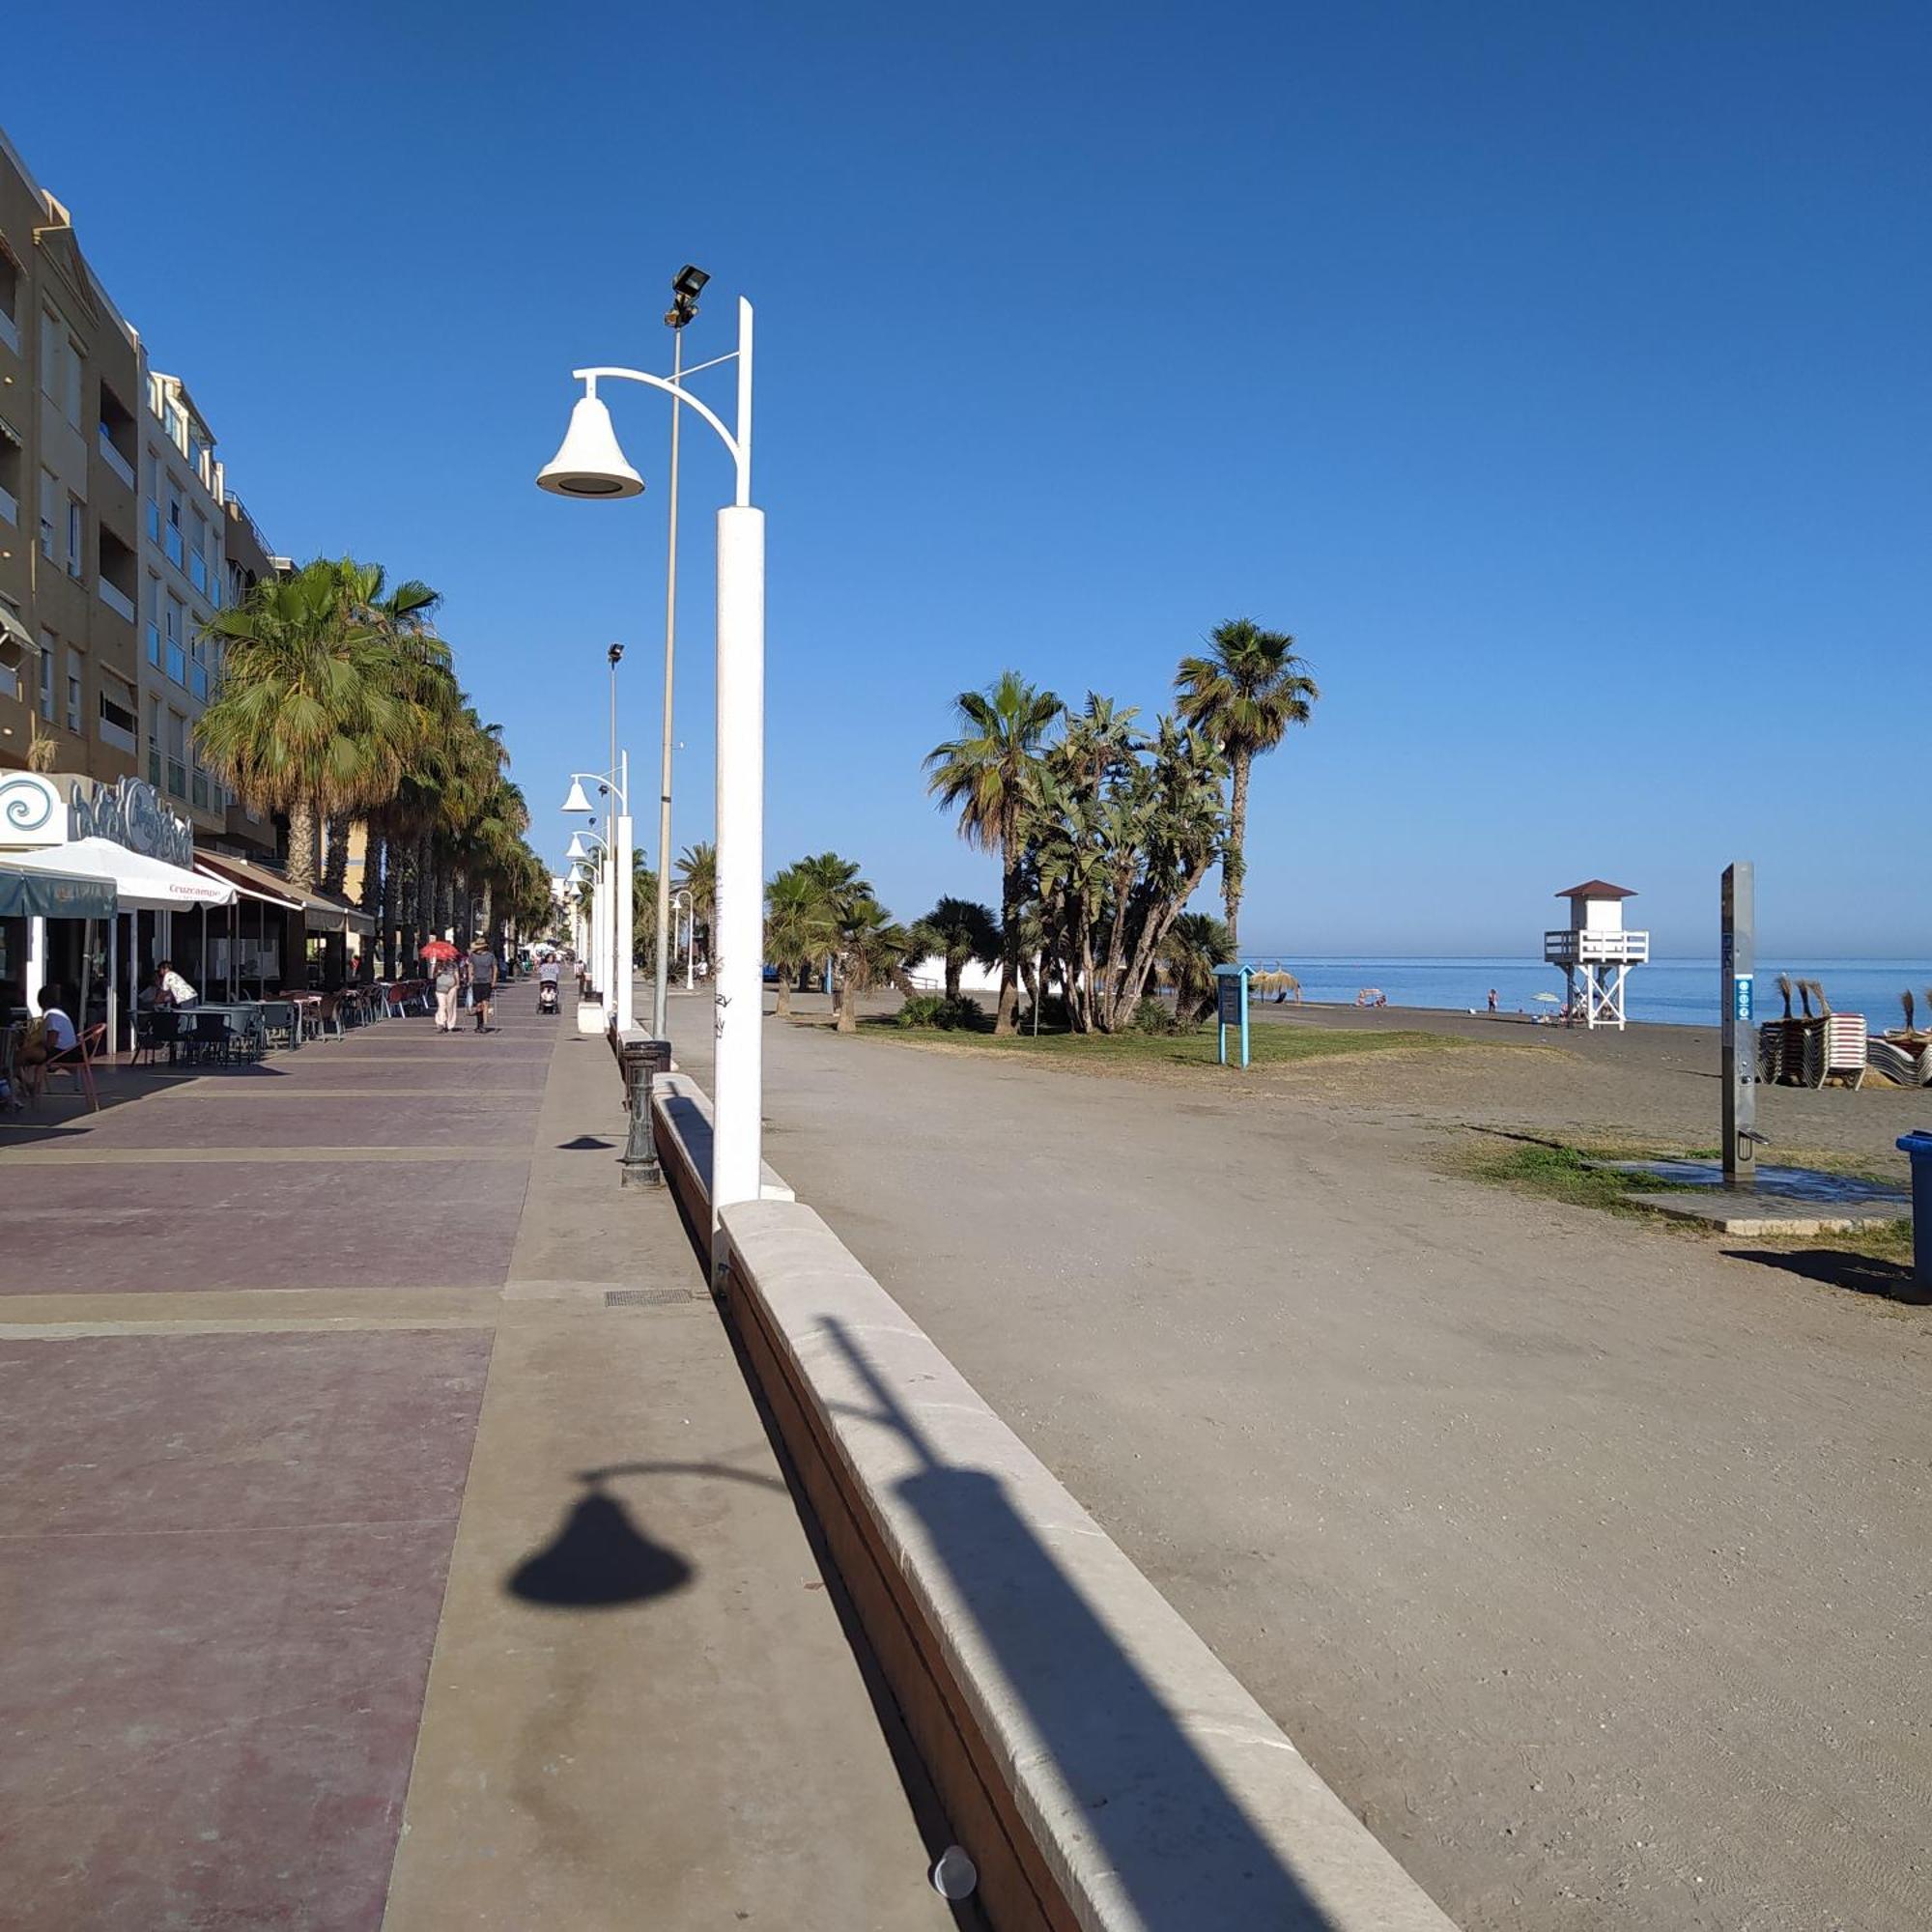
(591, 464)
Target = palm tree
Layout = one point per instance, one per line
(1196, 943)
(800, 928)
(963, 932)
(1243, 695)
(986, 775)
(697, 875)
(872, 947)
(307, 719)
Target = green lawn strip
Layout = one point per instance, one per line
(1269, 1046)
(1557, 1171)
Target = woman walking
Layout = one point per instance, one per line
(446, 984)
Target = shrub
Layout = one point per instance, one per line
(1154, 1015)
(923, 1011)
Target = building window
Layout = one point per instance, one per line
(117, 723)
(11, 457)
(49, 650)
(154, 620)
(77, 536)
(53, 350)
(10, 300)
(49, 503)
(176, 665)
(177, 754)
(74, 691)
(174, 535)
(155, 742)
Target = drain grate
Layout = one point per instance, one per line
(645, 1297)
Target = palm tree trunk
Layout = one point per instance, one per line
(1233, 862)
(1006, 1020)
(956, 968)
(847, 1004)
(783, 1010)
(335, 860)
(301, 845)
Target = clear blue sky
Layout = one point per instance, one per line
(1558, 375)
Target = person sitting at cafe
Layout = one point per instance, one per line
(170, 989)
(49, 1038)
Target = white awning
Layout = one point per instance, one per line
(140, 883)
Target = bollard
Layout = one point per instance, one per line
(1919, 1146)
(639, 1058)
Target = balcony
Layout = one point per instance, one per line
(1569, 947)
(177, 778)
(174, 546)
(155, 645)
(197, 571)
(177, 663)
(197, 679)
(117, 601)
(9, 333)
(114, 460)
(10, 507)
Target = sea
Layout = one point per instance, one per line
(1673, 992)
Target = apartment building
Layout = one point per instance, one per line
(184, 581)
(69, 375)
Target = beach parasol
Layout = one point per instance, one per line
(438, 949)
(1548, 999)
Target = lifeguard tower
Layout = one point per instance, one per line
(1596, 952)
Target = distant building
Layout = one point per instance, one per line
(69, 386)
(183, 533)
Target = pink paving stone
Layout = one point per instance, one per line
(319, 1120)
(107, 1228)
(226, 1558)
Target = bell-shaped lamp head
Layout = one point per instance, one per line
(576, 850)
(576, 802)
(589, 463)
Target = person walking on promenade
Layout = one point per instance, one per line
(448, 983)
(482, 982)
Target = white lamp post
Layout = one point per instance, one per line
(690, 909)
(591, 464)
(611, 911)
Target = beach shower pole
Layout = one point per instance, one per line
(1737, 956)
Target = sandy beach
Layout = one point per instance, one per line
(1650, 1084)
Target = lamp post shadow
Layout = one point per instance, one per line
(1173, 1844)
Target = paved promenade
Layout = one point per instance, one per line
(363, 1564)
(1585, 1563)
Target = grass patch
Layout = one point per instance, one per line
(1268, 1046)
(1558, 1171)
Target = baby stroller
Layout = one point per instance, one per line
(546, 996)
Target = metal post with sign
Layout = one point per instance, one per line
(1737, 964)
(1231, 1006)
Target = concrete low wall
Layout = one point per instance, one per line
(681, 1124)
(1099, 1764)
(1102, 1768)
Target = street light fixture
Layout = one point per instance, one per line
(589, 462)
(589, 457)
(611, 910)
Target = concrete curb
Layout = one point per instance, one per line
(681, 1126)
(1103, 1769)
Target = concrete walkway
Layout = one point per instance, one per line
(363, 1563)
(1584, 1561)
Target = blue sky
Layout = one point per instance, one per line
(1557, 375)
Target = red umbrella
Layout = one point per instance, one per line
(434, 950)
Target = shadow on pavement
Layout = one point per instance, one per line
(1838, 1268)
(598, 1560)
(1092, 1708)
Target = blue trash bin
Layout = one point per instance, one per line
(1919, 1146)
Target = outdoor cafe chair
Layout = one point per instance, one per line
(211, 1037)
(151, 1033)
(77, 1063)
(12, 1039)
